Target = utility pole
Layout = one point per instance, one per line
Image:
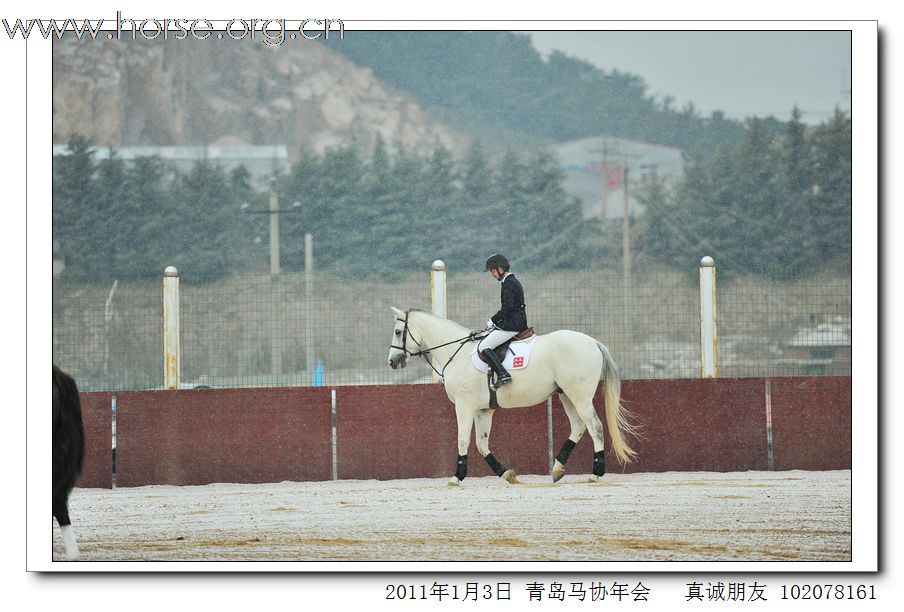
(277, 332)
(274, 232)
(626, 229)
(309, 306)
(606, 153)
(626, 259)
(846, 90)
(605, 182)
(274, 211)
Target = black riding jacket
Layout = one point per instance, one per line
(512, 316)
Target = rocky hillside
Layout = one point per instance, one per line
(226, 92)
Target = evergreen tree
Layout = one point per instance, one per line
(111, 187)
(505, 207)
(145, 217)
(204, 238)
(76, 222)
(302, 185)
(330, 193)
(759, 207)
(797, 210)
(470, 213)
(831, 162)
(556, 236)
(248, 253)
(477, 174)
(400, 238)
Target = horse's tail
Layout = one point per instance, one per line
(68, 431)
(618, 418)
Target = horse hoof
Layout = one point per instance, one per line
(593, 478)
(510, 477)
(558, 470)
(453, 482)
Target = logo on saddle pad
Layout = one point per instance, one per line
(516, 357)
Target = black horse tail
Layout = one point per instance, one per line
(68, 431)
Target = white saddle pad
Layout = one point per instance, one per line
(515, 358)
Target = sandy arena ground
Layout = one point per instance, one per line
(680, 516)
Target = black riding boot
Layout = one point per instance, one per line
(502, 375)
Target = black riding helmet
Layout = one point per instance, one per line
(497, 261)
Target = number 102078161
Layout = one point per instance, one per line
(828, 591)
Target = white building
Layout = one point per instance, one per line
(261, 161)
(595, 172)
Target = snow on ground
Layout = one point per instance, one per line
(686, 516)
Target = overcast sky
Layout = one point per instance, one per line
(740, 73)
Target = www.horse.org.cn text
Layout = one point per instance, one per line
(271, 32)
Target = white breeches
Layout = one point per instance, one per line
(494, 339)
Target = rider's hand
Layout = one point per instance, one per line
(490, 324)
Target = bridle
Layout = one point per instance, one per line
(425, 352)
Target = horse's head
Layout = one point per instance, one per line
(398, 351)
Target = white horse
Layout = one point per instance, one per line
(563, 361)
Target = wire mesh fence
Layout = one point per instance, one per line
(108, 335)
(323, 329)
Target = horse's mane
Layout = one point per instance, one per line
(450, 323)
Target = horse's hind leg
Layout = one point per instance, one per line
(61, 513)
(483, 421)
(591, 419)
(577, 430)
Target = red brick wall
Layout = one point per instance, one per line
(223, 435)
(97, 419)
(811, 423)
(715, 425)
(399, 431)
(409, 431)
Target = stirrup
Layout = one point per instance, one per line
(501, 380)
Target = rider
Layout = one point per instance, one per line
(506, 323)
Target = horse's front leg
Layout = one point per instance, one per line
(484, 421)
(61, 513)
(464, 413)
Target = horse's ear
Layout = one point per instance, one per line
(398, 313)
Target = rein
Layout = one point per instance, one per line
(424, 352)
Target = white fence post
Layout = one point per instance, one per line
(709, 339)
(334, 435)
(171, 351)
(438, 294)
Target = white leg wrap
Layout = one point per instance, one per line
(72, 553)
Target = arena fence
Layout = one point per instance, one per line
(385, 432)
(317, 329)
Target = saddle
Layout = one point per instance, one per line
(503, 348)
